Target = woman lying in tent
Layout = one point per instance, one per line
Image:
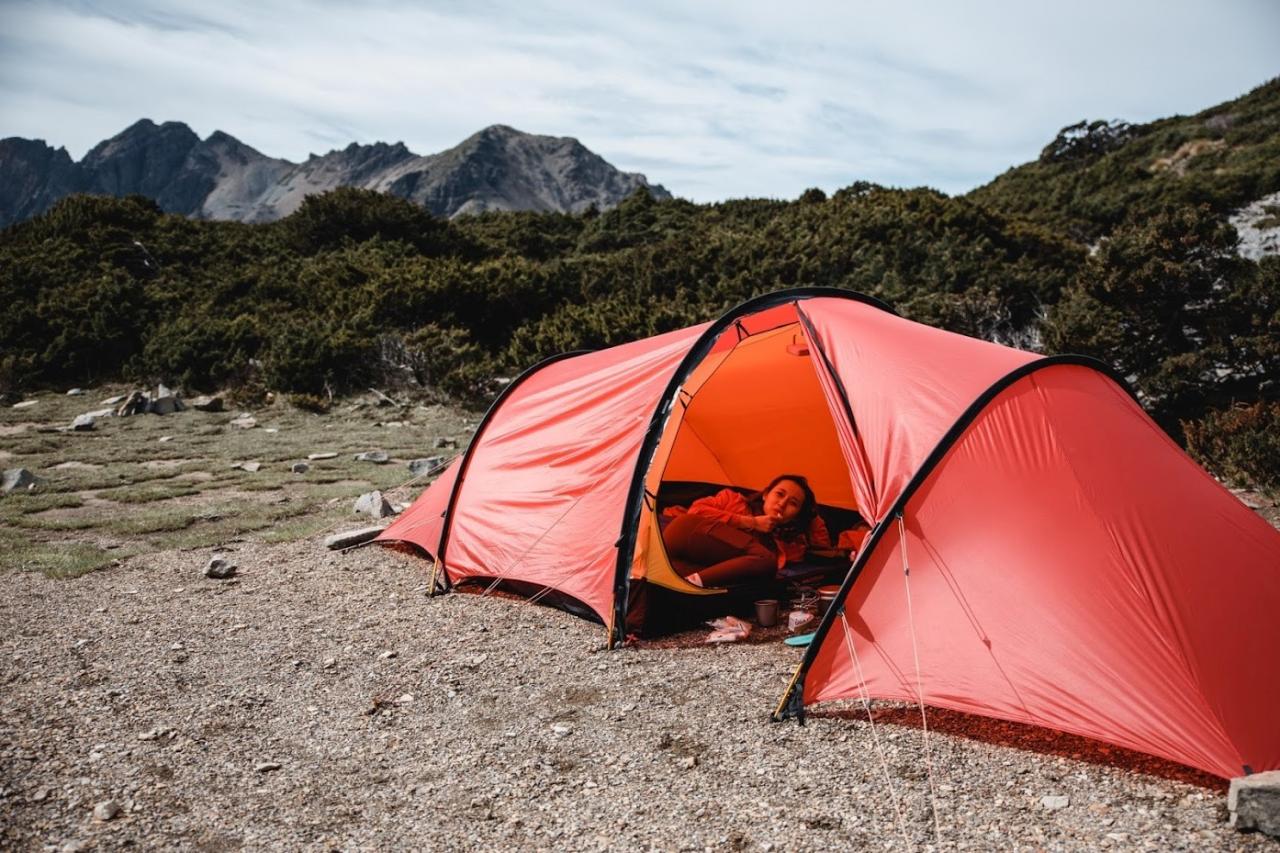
(727, 539)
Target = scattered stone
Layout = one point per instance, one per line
(251, 467)
(114, 401)
(220, 568)
(106, 810)
(300, 468)
(25, 404)
(82, 423)
(76, 392)
(562, 730)
(136, 403)
(267, 766)
(103, 413)
(1255, 226)
(1058, 802)
(317, 456)
(244, 422)
(165, 438)
(1254, 803)
(425, 467)
(446, 442)
(166, 405)
(378, 456)
(18, 478)
(350, 538)
(207, 403)
(373, 504)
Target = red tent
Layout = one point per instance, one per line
(1041, 551)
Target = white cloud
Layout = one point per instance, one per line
(714, 100)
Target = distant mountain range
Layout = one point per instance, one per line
(498, 168)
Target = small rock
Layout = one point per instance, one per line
(82, 423)
(562, 730)
(18, 478)
(378, 456)
(1254, 802)
(267, 766)
(207, 403)
(424, 467)
(1057, 802)
(446, 442)
(300, 468)
(374, 504)
(76, 392)
(136, 403)
(25, 404)
(114, 401)
(105, 811)
(219, 568)
(317, 456)
(244, 422)
(251, 467)
(350, 538)
(166, 404)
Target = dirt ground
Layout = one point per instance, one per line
(320, 700)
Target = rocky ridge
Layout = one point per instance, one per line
(221, 178)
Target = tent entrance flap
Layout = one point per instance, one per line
(745, 415)
(750, 414)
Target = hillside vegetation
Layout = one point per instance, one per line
(1114, 244)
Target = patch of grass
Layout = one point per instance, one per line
(62, 523)
(156, 503)
(59, 560)
(157, 520)
(149, 492)
(15, 505)
(298, 528)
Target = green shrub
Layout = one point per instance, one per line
(1240, 445)
(310, 402)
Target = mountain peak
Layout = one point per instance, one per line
(497, 168)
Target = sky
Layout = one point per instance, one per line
(712, 99)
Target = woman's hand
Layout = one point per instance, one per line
(761, 523)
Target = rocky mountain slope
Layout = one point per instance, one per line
(498, 168)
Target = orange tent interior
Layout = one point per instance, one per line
(748, 412)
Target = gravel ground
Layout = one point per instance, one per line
(322, 701)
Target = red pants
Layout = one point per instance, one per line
(721, 555)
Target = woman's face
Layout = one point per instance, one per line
(784, 500)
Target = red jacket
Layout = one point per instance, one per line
(728, 506)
